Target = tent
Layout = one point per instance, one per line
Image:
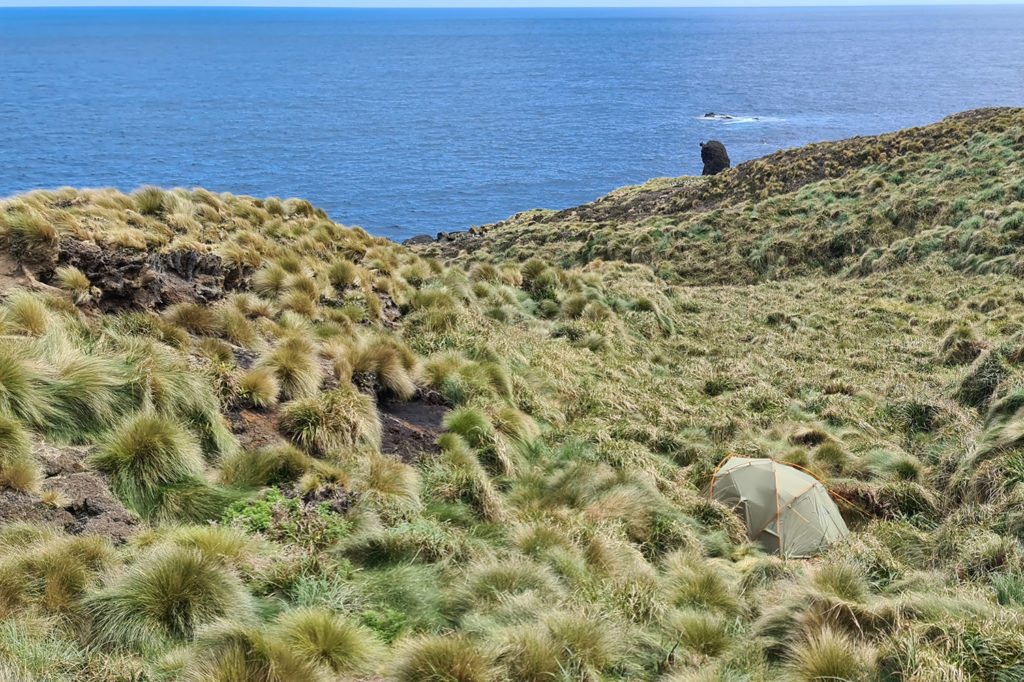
(787, 511)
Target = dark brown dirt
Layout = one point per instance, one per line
(92, 505)
(86, 504)
(390, 313)
(255, 429)
(19, 506)
(338, 499)
(410, 430)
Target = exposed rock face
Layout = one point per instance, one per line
(134, 279)
(714, 156)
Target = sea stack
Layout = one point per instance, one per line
(714, 156)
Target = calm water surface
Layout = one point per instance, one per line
(413, 121)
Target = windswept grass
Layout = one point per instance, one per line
(145, 456)
(166, 598)
(341, 418)
(18, 469)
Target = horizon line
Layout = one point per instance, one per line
(728, 4)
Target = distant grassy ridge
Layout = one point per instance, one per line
(949, 193)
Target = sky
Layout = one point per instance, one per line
(493, 3)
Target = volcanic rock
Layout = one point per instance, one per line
(714, 156)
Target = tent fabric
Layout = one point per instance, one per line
(787, 511)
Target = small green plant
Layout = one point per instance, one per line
(289, 520)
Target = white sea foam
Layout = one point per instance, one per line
(728, 119)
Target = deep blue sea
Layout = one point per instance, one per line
(415, 121)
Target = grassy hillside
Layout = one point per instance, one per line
(947, 194)
(239, 441)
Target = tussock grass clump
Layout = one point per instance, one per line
(166, 598)
(980, 381)
(228, 545)
(471, 424)
(28, 313)
(516, 424)
(232, 651)
(960, 346)
(497, 582)
(700, 633)
(388, 363)
(343, 273)
(458, 475)
(236, 327)
(144, 456)
(269, 281)
(443, 658)
(341, 418)
(845, 581)
(390, 485)
(30, 236)
(73, 280)
(22, 387)
(193, 317)
(259, 387)
(215, 350)
(828, 655)
(316, 634)
(87, 394)
(293, 363)
(18, 469)
(263, 467)
(148, 200)
(43, 569)
(590, 643)
(691, 583)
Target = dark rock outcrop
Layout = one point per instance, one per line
(139, 280)
(714, 156)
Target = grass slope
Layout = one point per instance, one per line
(557, 530)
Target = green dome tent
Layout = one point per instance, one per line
(787, 511)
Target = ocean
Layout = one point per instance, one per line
(415, 121)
